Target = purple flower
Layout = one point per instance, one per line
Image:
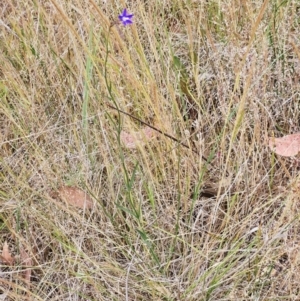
(124, 18)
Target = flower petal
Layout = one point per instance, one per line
(125, 18)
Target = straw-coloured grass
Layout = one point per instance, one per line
(213, 219)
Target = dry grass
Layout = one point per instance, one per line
(220, 76)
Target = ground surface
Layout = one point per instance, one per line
(97, 205)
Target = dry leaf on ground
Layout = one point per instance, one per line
(132, 140)
(287, 146)
(76, 197)
(6, 255)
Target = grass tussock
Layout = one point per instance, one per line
(217, 220)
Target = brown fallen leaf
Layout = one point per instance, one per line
(76, 197)
(286, 146)
(132, 140)
(6, 255)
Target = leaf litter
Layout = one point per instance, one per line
(287, 146)
(76, 197)
(131, 141)
(25, 261)
(6, 255)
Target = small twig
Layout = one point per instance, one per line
(157, 130)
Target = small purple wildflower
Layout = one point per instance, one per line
(124, 18)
